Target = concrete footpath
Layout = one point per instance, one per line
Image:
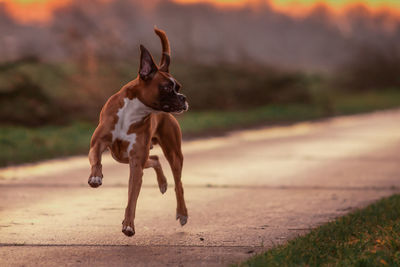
(245, 193)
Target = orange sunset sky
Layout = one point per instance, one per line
(41, 10)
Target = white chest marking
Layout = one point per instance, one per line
(133, 111)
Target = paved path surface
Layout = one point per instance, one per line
(245, 192)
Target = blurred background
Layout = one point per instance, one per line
(242, 63)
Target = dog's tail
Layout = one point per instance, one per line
(166, 52)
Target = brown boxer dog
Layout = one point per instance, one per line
(134, 119)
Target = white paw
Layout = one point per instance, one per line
(95, 181)
(128, 231)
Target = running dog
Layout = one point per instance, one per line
(136, 118)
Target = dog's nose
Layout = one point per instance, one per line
(182, 98)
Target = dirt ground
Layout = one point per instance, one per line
(246, 192)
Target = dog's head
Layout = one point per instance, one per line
(159, 90)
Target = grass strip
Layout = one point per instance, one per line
(20, 144)
(366, 237)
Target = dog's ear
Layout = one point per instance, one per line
(147, 66)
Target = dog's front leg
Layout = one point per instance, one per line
(98, 144)
(136, 164)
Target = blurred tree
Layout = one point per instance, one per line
(22, 101)
(372, 68)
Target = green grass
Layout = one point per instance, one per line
(22, 144)
(367, 237)
(200, 122)
(365, 102)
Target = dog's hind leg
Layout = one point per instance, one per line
(154, 163)
(97, 147)
(171, 146)
(175, 159)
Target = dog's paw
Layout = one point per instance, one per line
(182, 219)
(163, 188)
(128, 231)
(95, 181)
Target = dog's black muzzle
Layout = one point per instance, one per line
(175, 103)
